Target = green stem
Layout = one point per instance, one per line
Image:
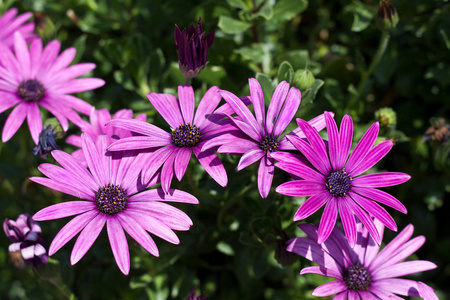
(187, 80)
(365, 76)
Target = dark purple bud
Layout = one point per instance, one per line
(192, 296)
(193, 48)
(27, 244)
(47, 142)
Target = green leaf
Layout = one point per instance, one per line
(298, 58)
(254, 53)
(239, 4)
(362, 16)
(266, 85)
(285, 72)
(287, 9)
(80, 45)
(232, 26)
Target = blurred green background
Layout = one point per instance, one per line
(231, 251)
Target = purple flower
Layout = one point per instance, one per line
(193, 48)
(192, 296)
(258, 137)
(111, 193)
(35, 77)
(190, 131)
(9, 24)
(97, 126)
(27, 243)
(362, 271)
(333, 180)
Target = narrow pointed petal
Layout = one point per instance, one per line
(21, 49)
(159, 195)
(345, 140)
(94, 160)
(168, 170)
(380, 196)
(381, 179)
(119, 245)
(298, 168)
(181, 162)
(375, 210)
(330, 288)
(141, 127)
(373, 156)
(138, 233)
(34, 122)
(15, 119)
(318, 159)
(247, 129)
(257, 99)
(206, 106)
(276, 103)
(265, 176)
(348, 221)
(367, 220)
(212, 165)
(363, 147)
(311, 205)
(328, 219)
(71, 229)
(334, 145)
(288, 111)
(87, 238)
(299, 188)
(321, 271)
(242, 111)
(426, 291)
(249, 158)
(187, 102)
(139, 142)
(64, 209)
(79, 85)
(168, 107)
(153, 161)
(404, 268)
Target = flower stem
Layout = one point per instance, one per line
(365, 76)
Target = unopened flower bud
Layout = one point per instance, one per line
(193, 48)
(304, 80)
(27, 244)
(387, 117)
(47, 141)
(192, 296)
(387, 17)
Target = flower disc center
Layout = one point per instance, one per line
(357, 278)
(31, 90)
(269, 143)
(111, 199)
(186, 136)
(338, 183)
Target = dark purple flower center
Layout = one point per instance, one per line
(269, 143)
(357, 278)
(338, 183)
(186, 136)
(111, 199)
(31, 90)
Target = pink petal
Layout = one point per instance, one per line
(278, 98)
(348, 221)
(315, 158)
(311, 205)
(345, 140)
(94, 160)
(139, 142)
(71, 229)
(380, 179)
(257, 98)
(64, 209)
(265, 176)
(87, 238)
(206, 106)
(34, 121)
(249, 158)
(138, 233)
(168, 107)
(172, 195)
(119, 245)
(328, 220)
(187, 102)
(181, 162)
(363, 147)
(330, 288)
(401, 269)
(212, 165)
(381, 197)
(300, 188)
(79, 85)
(373, 156)
(141, 127)
(289, 110)
(321, 271)
(21, 50)
(334, 146)
(15, 119)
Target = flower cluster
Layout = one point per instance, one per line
(122, 173)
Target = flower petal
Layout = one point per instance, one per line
(348, 221)
(249, 158)
(15, 119)
(311, 205)
(373, 156)
(278, 98)
(380, 196)
(300, 188)
(363, 147)
(257, 98)
(187, 102)
(206, 106)
(64, 209)
(288, 111)
(87, 238)
(330, 288)
(320, 162)
(119, 245)
(168, 107)
(138, 233)
(328, 220)
(401, 269)
(334, 145)
(212, 165)
(380, 179)
(265, 176)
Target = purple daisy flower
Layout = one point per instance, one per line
(190, 131)
(28, 245)
(10, 23)
(35, 77)
(362, 271)
(334, 181)
(193, 48)
(97, 126)
(111, 193)
(258, 137)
